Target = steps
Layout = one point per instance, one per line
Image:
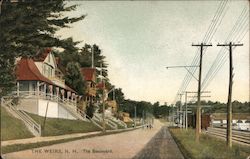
(77, 113)
(121, 123)
(97, 117)
(32, 125)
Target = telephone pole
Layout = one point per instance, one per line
(198, 110)
(229, 101)
(103, 102)
(92, 56)
(180, 111)
(186, 96)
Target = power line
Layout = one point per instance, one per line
(208, 36)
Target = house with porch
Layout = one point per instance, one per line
(41, 88)
(89, 75)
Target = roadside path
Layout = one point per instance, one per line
(59, 137)
(116, 146)
(48, 138)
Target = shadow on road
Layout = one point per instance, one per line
(161, 146)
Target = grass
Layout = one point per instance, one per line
(208, 147)
(55, 126)
(12, 128)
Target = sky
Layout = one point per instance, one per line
(141, 38)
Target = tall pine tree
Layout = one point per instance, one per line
(26, 27)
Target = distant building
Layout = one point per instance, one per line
(125, 117)
(40, 84)
(113, 105)
(89, 75)
(241, 121)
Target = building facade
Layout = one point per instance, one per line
(41, 88)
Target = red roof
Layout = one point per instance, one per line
(26, 70)
(100, 85)
(41, 56)
(88, 73)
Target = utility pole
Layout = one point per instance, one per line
(135, 117)
(172, 115)
(186, 123)
(180, 111)
(103, 103)
(92, 57)
(229, 101)
(198, 110)
(186, 67)
(186, 93)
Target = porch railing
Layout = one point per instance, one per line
(43, 95)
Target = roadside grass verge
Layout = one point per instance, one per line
(12, 128)
(20, 147)
(208, 147)
(55, 126)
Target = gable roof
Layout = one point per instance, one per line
(88, 73)
(41, 56)
(26, 70)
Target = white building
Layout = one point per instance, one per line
(40, 86)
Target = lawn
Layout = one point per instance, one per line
(12, 128)
(208, 147)
(55, 126)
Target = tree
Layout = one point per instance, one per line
(74, 78)
(119, 95)
(90, 109)
(27, 27)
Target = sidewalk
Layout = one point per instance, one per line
(47, 138)
(60, 137)
(123, 145)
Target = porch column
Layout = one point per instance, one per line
(18, 87)
(51, 91)
(57, 93)
(76, 98)
(62, 91)
(68, 95)
(37, 89)
(72, 97)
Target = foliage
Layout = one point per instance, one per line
(27, 27)
(217, 107)
(119, 95)
(161, 111)
(90, 111)
(74, 77)
(141, 107)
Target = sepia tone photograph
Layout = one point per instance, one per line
(125, 79)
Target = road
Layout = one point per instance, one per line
(161, 146)
(139, 143)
